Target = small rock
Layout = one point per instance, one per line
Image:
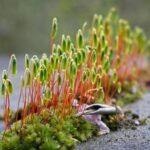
(135, 116)
(137, 123)
(133, 128)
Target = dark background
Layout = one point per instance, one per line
(25, 24)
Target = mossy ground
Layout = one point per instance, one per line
(131, 93)
(52, 132)
(48, 133)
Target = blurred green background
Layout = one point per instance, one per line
(25, 24)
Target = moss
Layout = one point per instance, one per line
(128, 96)
(46, 121)
(128, 121)
(1, 117)
(55, 134)
(143, 121)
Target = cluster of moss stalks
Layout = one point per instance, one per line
(94, 69)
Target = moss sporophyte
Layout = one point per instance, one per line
(94, 68)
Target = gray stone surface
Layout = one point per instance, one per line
(138, 139)
(1, 125)
(4, 61)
